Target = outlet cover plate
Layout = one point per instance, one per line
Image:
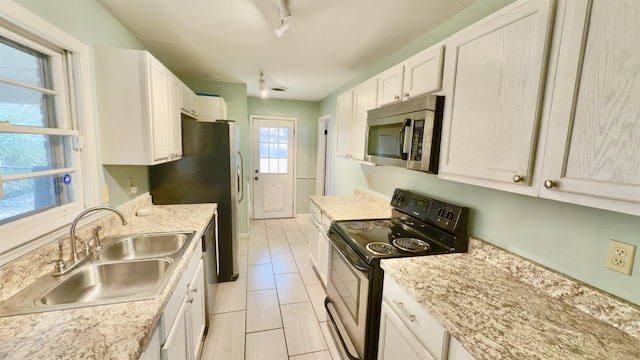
(620, 256)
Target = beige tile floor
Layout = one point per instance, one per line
(275, 308)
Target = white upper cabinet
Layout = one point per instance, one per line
(494, 77)
(344, 111)
(423, 72)
(136, 108)
(351, 109)
(190, 102)
(364, 99)
(420, 74)
(592, 154)
(390, 85)
(175, 126)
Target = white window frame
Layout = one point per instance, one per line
(26, 234)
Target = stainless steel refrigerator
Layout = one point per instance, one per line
(208, 172)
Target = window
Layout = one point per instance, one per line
(274, 152)
(44, 165)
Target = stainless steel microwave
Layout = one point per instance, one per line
(406, 134)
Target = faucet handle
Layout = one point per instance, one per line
(60, 264)
(96, 235)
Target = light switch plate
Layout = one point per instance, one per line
(620, 256)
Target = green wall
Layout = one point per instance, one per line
(307, 141)
(568, 238)
(91, 23)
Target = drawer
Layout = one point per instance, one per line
(427, 329)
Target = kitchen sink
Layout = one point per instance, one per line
(96, 282)
(143, 246)
(128, 268)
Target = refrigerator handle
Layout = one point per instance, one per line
(240, 177)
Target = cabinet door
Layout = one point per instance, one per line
(314, 240)
(396, 340)
(324, 254)
(344, 112)
(593, 141)
(390, 85)
(195, 105)
(457, 352)
(185, 103)
(423, 72)
(197, 311)
(175, 128)
(365, 97)
(176, 346)
(159, 97)
(495, 71)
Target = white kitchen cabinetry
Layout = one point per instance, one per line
(351, 109)
(420, 74)
(190, 102)
(183, 322)
(407, 331)
(175, 126)
(319, 242)
(592, 154)
(152, 351)
(494, 77)
(344, 112)
(135, 107)
(457, 352)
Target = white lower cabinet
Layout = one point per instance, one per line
(407, 331)
(319, 247)
(182, 324)
(396, 340)
(457, 352)
(152, 351)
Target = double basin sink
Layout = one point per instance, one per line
(128, 268)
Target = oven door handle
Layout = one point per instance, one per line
(347, 253)
(346, 347)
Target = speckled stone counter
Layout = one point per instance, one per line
(361, 205)
(501, 306)
(116, 331)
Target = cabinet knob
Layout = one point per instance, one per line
(190, 301)
(518, 178)
(195, 290)
(550, 184)
(396, 97)
(256, 178)
(406, 95)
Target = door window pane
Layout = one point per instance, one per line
(274, 154)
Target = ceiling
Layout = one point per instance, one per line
(329, 42)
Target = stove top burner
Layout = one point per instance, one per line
(358, 226)
(411, 245)
(383, 224)
(380, 248)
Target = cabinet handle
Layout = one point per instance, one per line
(396, 97)
(406, 95)
(550, 184)
(406, 313)
(190, 301)
(518, 178)
(195, 290)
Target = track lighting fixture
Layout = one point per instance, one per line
(285, 13)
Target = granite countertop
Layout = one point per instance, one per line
(115, 331)
(361, 205)
(501, 306)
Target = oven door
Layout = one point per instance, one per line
(347, 290)
(389, 140)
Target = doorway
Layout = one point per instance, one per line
(324, 156)
(273, 156)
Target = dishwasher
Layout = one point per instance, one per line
(210, 264)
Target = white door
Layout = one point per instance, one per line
(273, 156)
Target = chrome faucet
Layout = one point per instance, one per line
(62, 267)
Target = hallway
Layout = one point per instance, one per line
(275, 310)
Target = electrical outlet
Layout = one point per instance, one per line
(105, 193)
(369, 180)
(620, 256)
